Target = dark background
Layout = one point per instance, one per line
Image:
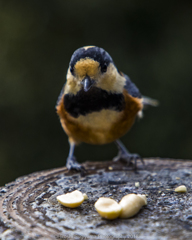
(151, 41)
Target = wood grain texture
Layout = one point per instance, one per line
(29, 210)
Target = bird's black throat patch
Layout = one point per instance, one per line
(94, 100)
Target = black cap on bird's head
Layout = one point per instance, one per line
(91, 52)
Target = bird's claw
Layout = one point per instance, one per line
(129, 159)
(72, 164)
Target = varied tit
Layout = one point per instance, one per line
(98, 104)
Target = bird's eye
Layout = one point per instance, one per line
(72, 70)
(104, 68)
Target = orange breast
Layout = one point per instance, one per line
(100, 127)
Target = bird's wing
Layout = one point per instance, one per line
(131, 87)
(134, 92)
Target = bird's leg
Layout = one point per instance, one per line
(125, 156)
(72, 163)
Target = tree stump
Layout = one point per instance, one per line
(29, 209)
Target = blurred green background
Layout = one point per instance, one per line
(151, 41)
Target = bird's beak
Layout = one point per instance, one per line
(87, 83)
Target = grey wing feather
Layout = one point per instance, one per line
(134, 92)
(131, 88)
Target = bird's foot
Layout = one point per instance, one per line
(128, 158)
(72, 164)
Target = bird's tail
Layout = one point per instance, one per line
(150, 102)
(147, 101)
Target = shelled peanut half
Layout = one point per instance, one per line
(126, 208)
(72, 199)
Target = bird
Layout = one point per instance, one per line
(98, 104)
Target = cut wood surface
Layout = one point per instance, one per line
(29, 209)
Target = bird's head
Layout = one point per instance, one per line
(91, 67)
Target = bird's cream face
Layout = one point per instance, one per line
(88, 73)
(111, 80)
